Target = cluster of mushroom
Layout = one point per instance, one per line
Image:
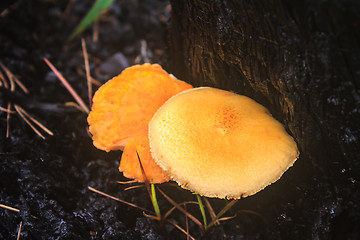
(213, 142)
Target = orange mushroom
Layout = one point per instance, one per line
(121, 111)
(220, 144)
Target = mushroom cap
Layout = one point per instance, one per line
(124, 105)
(220, 144)
(121, 111)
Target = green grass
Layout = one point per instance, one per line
(95, 11)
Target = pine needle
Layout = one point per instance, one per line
(8, 120)
(194, 219)
(87, 69)
(6, 110)
(151, 191)
(9, 208)
(181, 229)
(75, 105)
(13, 80)
(172, 223)
(95, 36)
(117, 199)
(3, 81)
(186, 224)
(29, 123)
(68, 86)
(133, 187)
(222, 212)
(173, 208)
(19, 231)
(25, 116)
(254, 213)
(128, 182)
(211, 211)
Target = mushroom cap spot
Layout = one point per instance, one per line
(220, 144)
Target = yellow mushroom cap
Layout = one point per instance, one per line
(220, 144)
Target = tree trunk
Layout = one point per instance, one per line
(300, 59)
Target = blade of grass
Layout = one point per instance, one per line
(154, 200)
(119, 200)
(222, 212)
(194, 219)
(202, 210)
(67, 85)
(90, 17)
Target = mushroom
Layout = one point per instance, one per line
(121, 111)
(220, 144)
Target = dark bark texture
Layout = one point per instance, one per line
(301, 59)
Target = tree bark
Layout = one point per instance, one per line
(300, 59)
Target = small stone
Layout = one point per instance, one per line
(115, 64)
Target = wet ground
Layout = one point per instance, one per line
(47, 180)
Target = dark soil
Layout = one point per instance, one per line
(48, 179)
